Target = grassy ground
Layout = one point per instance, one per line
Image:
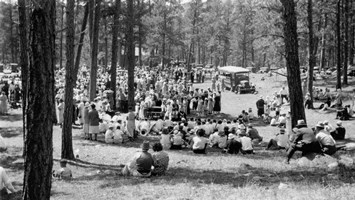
(211, 176)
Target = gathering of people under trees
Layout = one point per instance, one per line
(178, 99)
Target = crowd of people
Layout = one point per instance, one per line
(10, 96)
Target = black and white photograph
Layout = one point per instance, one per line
(177, 99)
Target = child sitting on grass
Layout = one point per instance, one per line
(64, 172)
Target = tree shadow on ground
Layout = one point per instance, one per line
(13, 196)
(11, 132)
(242, 176)
(331, 82)
(7, 161)
(11, 117)
(86, 164)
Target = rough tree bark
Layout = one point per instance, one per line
(39, 146)
(115, 29)
(140, 7)
(94, 51)
(352, 34)
(23, 61)
(312, 56)
(61, 36)
(67, 142)
(323, 43)
(338, 84)
(346, 42)
(130, 52)
(292, 61)
(81, 40)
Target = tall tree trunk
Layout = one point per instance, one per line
(12, 46)
(61, 37)
(163, 42)
(23, 62)
(81, 41)
(323, 43)
(338, 84)
(67, 142)
(39, 146)
(115, 29)
(140, 7)
(130, 52)
(312, 56)
(106, 43)
(352, 34)
(346, 43)
(94, 51)
(292, 61)
(91, 4)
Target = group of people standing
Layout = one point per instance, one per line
(10, 95)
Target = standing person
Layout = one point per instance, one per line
(304, 140)
(260, 106)
(131, 123)
(283, 94)
(93, 122)
(86, 121)
(60, 108)
(3, 103)
(81, 108)
(213, 84)
(217, 103)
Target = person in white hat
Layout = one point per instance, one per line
(325, 140)
(279, 142)
(339, 132)
(109, 134)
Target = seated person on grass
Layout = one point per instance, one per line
(282, 120)
(253, 134)
(326, 141)
(339, 132)
(303, 140)
(279, 142)
(199, 143)
(5, 184)
(234, 144)
(109, 135)
(118, 135)
(144, 127)
(141, 163)
(165, 138)
(177, 140)
(247, 146)
(219, 140)
(161, 160)
(64, 172)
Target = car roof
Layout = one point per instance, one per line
(233, 69)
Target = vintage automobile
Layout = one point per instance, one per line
(236, 79)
